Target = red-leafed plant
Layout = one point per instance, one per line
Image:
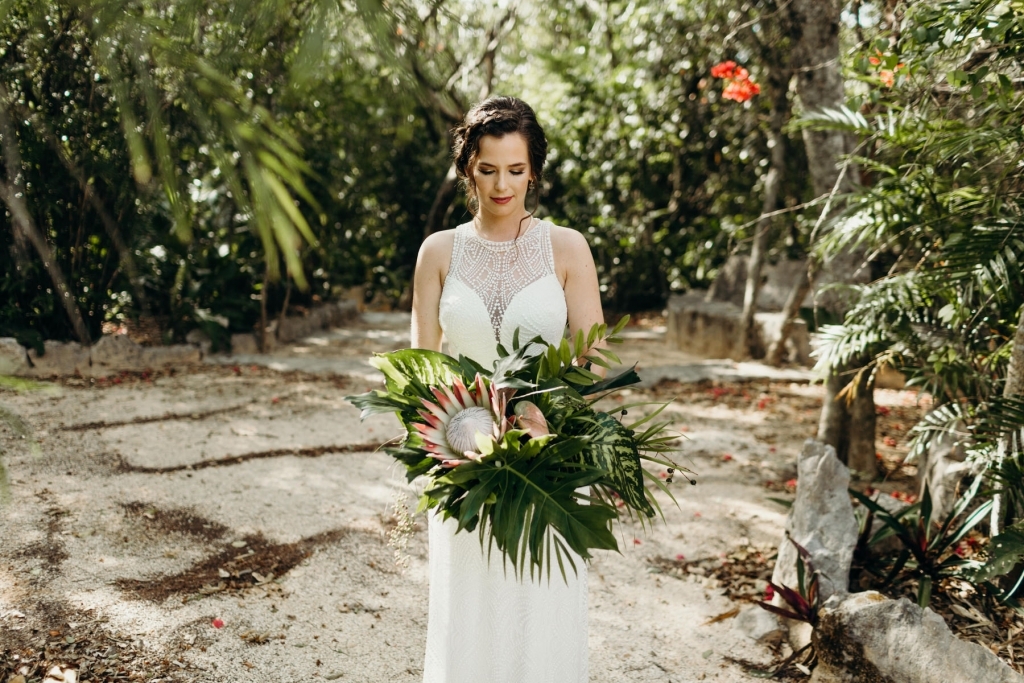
(801, 603)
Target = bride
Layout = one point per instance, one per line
(476, 284)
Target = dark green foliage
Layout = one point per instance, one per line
(928, 545)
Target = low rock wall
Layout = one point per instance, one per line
(112, 354)
(711, 329)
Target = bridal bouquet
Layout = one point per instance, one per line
(508, 451)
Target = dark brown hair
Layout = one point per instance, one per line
(498, 116)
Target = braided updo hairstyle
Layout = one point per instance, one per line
(497, 116)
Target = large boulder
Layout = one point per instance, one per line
(821, 520)
(13, 359)
(868, 638)
(61, 359)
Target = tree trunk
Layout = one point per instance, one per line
(790, 312)
(820, 86)
(442, 200)
(778, 81)
(21, 220)
(1014, 387)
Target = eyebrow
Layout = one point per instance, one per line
(521, 163)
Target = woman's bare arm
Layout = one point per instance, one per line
(428, 280)
(582, 296)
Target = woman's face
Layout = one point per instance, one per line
(502, 175)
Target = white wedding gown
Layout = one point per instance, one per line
(486, 625)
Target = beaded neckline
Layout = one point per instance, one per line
(504, 244)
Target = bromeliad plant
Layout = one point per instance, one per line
(509, 452)
(928, 552)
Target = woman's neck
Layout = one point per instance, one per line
(501, 228)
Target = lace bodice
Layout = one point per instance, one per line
(494, 287)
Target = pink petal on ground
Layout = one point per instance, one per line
(218, 623)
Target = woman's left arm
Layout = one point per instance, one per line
(582, 296)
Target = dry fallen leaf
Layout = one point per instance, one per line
(723, 616)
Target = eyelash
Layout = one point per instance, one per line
(512, 172)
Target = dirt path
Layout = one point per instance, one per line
(143, 509)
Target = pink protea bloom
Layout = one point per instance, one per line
(459, 415)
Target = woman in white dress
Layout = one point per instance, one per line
(476, 284)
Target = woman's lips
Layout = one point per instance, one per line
(501, 200)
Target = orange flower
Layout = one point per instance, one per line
(874, 61)
(724, 70)
(741, 91)
(888, 78)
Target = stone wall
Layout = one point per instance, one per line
(117, 353)
(711, 329)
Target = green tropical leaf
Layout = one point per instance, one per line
(416, 368)
(1006, 551)
(612, 448)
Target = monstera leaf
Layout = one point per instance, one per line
(523, 497)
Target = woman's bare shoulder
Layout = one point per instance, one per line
(568, 241)
(437, 248)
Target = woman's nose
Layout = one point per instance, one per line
(501, 182)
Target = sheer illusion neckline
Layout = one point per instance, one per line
(503, 244)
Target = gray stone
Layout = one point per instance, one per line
(114, 353)
(942, 467)
(13, 359)
(333, 314)
(175, 355)
(61, 359)
(244, 343)
(777, 281)
(711, 329)
(199, 338)
(821, 520)
(759, 624)
(866, 637)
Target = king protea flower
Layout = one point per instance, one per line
(461, 413)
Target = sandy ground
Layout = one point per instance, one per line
(143, 509)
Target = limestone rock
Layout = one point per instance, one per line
(759, 624)
(199, 338)
(170, 356)
(778, 280)
(866, 637)
(60, 359)
(821, 520)
(114, 353)
(244, 344)
(711, 329)
(941, 468)
(13, 359)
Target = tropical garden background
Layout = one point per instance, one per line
(208, 165)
